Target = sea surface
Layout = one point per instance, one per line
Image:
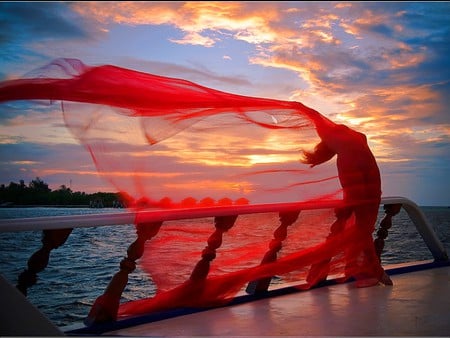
(79, 270)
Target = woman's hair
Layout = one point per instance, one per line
(321, 154)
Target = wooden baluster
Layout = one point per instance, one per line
(318, 272)
(51, 239)
(386, 223)
(280, 234)
(222, 224)
(106, 306)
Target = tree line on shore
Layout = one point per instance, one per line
(37, 192)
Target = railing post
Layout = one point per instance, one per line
(51, 239)
(222, 224)
(386, 223)
(319, 271)
(280, 234)
(106, 306)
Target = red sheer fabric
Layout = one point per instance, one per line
(167, 142)
(170, 143)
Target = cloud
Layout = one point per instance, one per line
(38, 20)
(27, 23)
(248, 22)
(381, 67)
(35, 121)
(334, 48)
(199, 73)
(27, 161)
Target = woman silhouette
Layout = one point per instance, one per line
(361, 185)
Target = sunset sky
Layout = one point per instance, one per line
(382, 68)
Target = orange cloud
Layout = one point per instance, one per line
(395, 121)
(191, 17)
(25, 162)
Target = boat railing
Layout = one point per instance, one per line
(416, 215)
(423, 226)
(57, 229)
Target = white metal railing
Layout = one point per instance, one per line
(130, 217)
(416, 215)
(424, 228)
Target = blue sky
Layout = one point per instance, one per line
(380, 67)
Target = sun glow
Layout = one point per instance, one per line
(272, 158)
(212, 185)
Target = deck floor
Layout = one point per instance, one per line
(417, 305)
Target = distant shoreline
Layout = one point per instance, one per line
(46, 206)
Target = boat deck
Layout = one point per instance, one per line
(417, 305)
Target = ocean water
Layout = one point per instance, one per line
(79, 271)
